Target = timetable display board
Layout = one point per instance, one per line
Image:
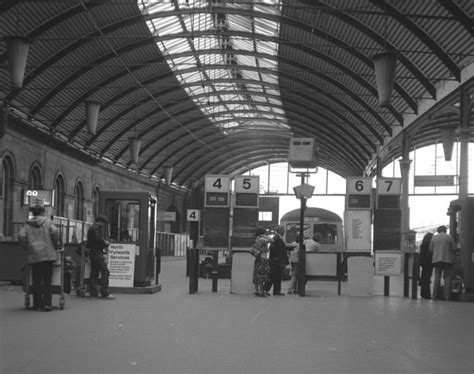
(357, 230)
(217, 191)
(216, 228)
(246, 191)
(244, 224)
(359, 193)
(216, 215)
(387, 229)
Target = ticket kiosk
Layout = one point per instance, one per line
(461, 213)
(132, 229)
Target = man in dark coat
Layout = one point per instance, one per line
(97, 243)
(278, 260)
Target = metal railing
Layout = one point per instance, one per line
(174, 245)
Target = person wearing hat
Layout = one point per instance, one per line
(97, 243)
(41, 238)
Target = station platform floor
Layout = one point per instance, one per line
(173, 331)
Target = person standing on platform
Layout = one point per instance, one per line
(41, 238)
(426, 258)
(261, 268)
(97, 243)
(294, 258)
(443, 248)
(312, 244)
(278, 260)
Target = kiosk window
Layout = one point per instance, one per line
(124, 219)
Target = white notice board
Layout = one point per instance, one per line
(357, 230)
(388, 263)
(121, 264)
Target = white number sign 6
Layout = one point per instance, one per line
(359, 186)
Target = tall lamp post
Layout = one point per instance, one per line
(302, 192)
(302, 154)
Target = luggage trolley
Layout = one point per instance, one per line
(82, 270)
(57, 281)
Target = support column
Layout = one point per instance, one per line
(405, 163)
(464, 134)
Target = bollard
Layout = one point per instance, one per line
(215, 276)
(338, 272)
(415, 276)
(406, 276)
(188, 250)
(386, 286)
(192, 272)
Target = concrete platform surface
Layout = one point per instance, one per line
(174, 332)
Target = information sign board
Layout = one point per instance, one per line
(434, 180)
(193, 215)
(163, 215)
(35, 197)
(389, 186)
(359, 186)
(357, 226)
(121, 264)
(217, 191)
(246, 191)
(388, 263)
(359, 193)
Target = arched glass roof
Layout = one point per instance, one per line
(220, 86)
(227, 86)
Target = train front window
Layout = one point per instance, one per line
(328, 232)
(292, 229)
(124, 219)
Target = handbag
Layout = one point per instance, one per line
(255, 252)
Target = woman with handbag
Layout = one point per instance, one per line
(261, 268)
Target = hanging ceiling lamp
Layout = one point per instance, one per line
(17, 53)
(168, 173)
(448, 135)
(135, 144)
(385, 64)
(194, 183)
(92, 115)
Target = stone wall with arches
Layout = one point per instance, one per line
(29, 162)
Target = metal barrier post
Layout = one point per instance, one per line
(415, 277)
(214, 275)
(215, 272)
(188, 257)
(406, 276)
(386, 286)
(338, 272)
(194, 270)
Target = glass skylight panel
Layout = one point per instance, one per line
(167, 25)
(220, 91)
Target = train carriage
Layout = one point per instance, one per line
(322, 264)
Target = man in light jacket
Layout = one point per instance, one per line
(41, 238)
(444, 248)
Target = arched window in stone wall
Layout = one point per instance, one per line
(59, 194)
(79, 196)
(6, 194)
(35, 178)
